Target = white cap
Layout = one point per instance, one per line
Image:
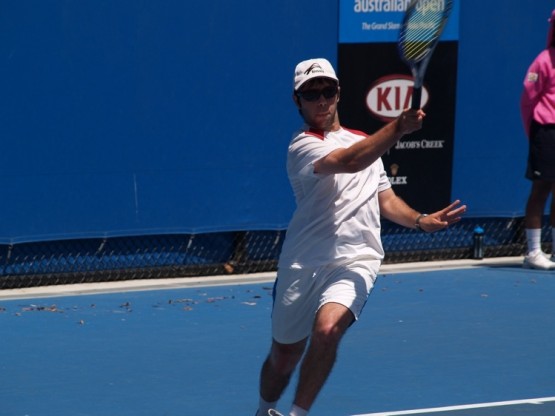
(313, 68)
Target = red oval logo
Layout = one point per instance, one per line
(390, 95)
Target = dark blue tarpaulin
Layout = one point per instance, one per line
(134, 117)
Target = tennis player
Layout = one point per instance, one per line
(537, 108)
(332, 251)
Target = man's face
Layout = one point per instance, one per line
(317, 102)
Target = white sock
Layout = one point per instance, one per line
(534, 239)
(264, 406)
(297, 411)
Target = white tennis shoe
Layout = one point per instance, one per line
(538, 260)
(273, 412)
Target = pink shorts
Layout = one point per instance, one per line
(300, 293)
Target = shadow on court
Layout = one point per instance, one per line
(425, 340)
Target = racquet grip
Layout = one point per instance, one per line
(416, 97)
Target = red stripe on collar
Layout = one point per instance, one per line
(321, 133)
(316, 132)
(357, 132)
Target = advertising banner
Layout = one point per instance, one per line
(376, 85)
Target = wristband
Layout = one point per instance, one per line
(417, 221)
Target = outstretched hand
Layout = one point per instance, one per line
(443, 218)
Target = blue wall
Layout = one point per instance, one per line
(130, 117)
(496, 47)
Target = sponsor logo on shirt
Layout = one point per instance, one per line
(532, 77)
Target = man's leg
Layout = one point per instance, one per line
(552, 208)
(277, 369)
(552, 221)
(534, 213)
(331, 323)
(535, 207)
(536, 203)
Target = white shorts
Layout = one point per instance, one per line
(300, 293)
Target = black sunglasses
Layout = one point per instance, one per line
(314, 95)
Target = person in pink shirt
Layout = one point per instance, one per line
(537, 107)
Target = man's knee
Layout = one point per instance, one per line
(331, 323)
(285, 357)
(328, 335)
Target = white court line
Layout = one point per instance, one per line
(462, 407)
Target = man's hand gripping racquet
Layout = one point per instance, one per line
(421, 28)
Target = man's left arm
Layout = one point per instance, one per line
(395, 209)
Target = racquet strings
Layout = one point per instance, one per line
(421, 29)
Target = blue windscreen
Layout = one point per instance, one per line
(132, 117)
(125, 117)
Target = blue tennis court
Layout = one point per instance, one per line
(476, 340)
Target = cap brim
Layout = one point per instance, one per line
(321, 76)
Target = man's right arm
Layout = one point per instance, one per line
(365, 152)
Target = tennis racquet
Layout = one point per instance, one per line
(421, 28)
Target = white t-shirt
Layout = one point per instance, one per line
(337, 218)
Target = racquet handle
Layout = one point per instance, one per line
(416, 97)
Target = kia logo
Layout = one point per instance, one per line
(390, 95)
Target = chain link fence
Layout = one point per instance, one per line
(163, 256)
